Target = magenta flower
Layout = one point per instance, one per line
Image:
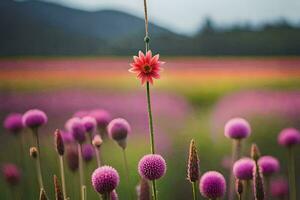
(118, 129)
(89, 123)
(279, 188)
(72, 159)
(289, 137)
(88, 152)
(269, 165)
(67, 137)
(152, 166)
(34, 118)
(105, 179)
(146, 67)
(212, 185)
(13, 123)
(11, 174)
(243, 169)
(237, 128)
(76, 127)
(102, 118)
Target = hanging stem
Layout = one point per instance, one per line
(38, 160)
(81, 172)
(291, 173)
(194, 191)
(62, 174)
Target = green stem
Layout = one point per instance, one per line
(236, 153)
(38, 160)
(98, 156)
(127, 173)
(194, 190)
(81, 172)
(291, 173)
(154, 193)
(62, 174)
(150, 119)
(247, 189)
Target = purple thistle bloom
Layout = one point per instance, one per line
(289, 137)
(243, 169)
(152, 166)
(72, 159)
(13, 123)
(105, 179)
(114, 195)
(279, 188)
(11, 174)
(269, 165)
(34, 118)
(76, 127)
(67, 137)
(237, 128)
(102, 117)
(88, 152)
(89, 123)
(118, 129)
(212, 185)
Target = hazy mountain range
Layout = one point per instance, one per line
(39, 28)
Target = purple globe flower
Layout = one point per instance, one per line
(67, 137)
(114, 195)
(118, 129)
(11, 174)
(102, 117)
(289, 137)
(212, 185)
(89, 123)
(88, 152)
(13, 123)
(237, 128)
(279, 188)
(152, 166)
(76, 127)
(243, 169)
(105, 179)
(34, 118)
(269, 165)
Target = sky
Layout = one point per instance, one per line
(186, 16)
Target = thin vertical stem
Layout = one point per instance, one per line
(236, 153)
(81, 172)
(154, 193)
(146, 17)
(150, 119)
(127, 172)
(38, 160)
(98, 156)
(194, 190)
(62, 174)
(291, 173)
(247, 189)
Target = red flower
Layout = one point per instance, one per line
(146, 66)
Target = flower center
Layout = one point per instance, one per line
(147, 69)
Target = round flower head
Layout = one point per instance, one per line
(289, 137)
(72, 159)
(88, 152)
(34, 118)
(67, 137)
(212, 185)
(11, 173)
(146, 67)
(81, 113)
(13, 123)
(118, 129)
(89, 123)
(76, 127)
(237, 128)
(243, 169)
(114, 195)
(269, 165)
(152, 166)
(105, 179)
(279, 188)
(102, 118)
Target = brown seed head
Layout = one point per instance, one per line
(59, 143)
(58, 191)
(255, 153)
(193, 163)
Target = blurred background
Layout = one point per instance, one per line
(223, 59)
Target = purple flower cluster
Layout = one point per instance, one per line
(13, 123)
(269, 165)
(212, 185)
(152, 166)
(289, 137)
(243, 169)
(34, 118)
(105, 179)
(237, 128)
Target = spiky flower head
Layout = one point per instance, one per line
(72, 159)
(212, 185)
(11, 174)
(34, 118)
(76, 127)
(239, 188)
(33, 152)
(118, 129)
(269, 165)
(152, 166)
(13, 123)
(243, 169)
(102, 118)
(289, 137)
(88, 152)
(97, 141)
(105, 179)
(279, 188)
(58, 191)
(143, 190)
(59, 143)
(114, 195)
(193, 163)
(237, 128)
(147, 67)
(89, 123)
(258, 184)
(255, 153)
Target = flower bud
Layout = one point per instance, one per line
(255, 153)
(97, 141)
(59, 143)
(33, 152)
